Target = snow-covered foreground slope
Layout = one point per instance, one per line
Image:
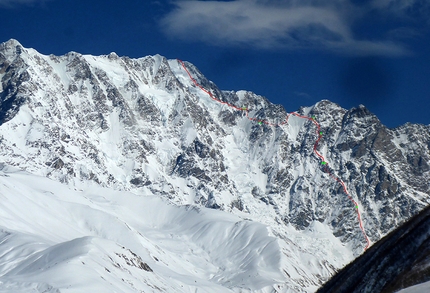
(54, 239)
(420, 288)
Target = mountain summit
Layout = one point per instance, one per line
(142, 127)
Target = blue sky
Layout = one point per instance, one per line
(294, 52)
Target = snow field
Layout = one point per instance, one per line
(420, 288)
(72, 241)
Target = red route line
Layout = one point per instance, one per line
(318, 130)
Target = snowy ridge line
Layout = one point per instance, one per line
(245, 109)
(318, 130)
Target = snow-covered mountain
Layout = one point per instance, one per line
(141, 128)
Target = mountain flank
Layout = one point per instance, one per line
(142, 126)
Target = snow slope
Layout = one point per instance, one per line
(420, 288)
(54, 239)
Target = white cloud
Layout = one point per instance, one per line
(274, 24)
(239, 22)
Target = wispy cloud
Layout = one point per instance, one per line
(291, 24)
(405, 7)
(14, 3)
(303, 95)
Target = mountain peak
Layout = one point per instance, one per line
(11, 48)
(362, 116)
(12, 42)
(158, 127)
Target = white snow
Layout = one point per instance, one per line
(420, 288)
(295, 125)
(188, 132)
(55, 238)
(117, 75)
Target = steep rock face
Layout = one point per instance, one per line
(142, 125)
(399, 260)
(14, 74)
